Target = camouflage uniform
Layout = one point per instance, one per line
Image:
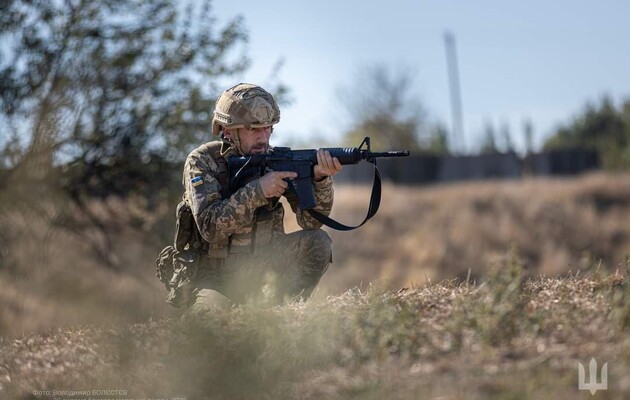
(245, 234)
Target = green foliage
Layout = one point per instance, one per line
(502, 311)
(384, 327)
(621, 297)
(496, 141)
(113, 90)
(438, 142)
(603, 127)
(489, 144)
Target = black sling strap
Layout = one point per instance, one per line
(375, 202)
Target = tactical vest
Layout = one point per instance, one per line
(188, 235)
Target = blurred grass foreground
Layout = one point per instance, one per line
(504, 338)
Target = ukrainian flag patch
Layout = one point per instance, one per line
(196, 181)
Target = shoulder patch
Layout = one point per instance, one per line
(196, 181)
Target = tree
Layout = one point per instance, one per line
(380, 105)
(528, 135)
(438, 142)
(114, 90)
(489, 143)
(601, 126)
(506, 136)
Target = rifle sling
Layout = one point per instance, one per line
(375, 202)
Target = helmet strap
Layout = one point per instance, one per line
(233, 141)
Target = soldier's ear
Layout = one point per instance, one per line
(227, 133)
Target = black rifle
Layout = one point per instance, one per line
(243, 169)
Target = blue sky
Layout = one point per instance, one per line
(541, 60)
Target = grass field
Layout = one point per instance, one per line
(477, 290)
(506, 338)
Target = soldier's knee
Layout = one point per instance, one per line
(320, 250)
(310, 249)
(321, 240)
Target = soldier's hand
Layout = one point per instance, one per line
(326, 165)
(273, 184)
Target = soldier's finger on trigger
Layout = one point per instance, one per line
(288, 174)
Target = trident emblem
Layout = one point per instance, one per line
(592, 384)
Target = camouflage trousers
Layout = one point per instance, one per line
(291, 265)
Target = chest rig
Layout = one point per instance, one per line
(246, 240)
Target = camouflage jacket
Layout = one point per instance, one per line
(232, 222)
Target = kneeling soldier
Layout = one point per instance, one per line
(239, 236)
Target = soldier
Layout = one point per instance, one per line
(241, 234)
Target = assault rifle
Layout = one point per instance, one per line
(242, 169)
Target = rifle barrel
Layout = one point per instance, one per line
(402, 153)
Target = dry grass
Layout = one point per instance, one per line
(441, 232)
(59, 268)
(506, 338)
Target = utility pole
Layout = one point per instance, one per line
(458, 144)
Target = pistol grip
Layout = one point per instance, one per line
(303, 188)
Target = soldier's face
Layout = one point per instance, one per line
(254, 141)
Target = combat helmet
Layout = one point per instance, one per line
(245, 106)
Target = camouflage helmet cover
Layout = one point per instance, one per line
(245, 106)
